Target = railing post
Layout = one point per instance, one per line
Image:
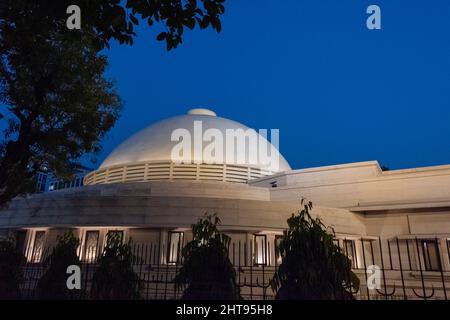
(441, 270)
(365, 267)
(401, 269)
(421, 271)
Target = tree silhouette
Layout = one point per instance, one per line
(52, 284)
(11, 274)
(113, 19)
(313, 266)
(207, 272)
(56, 103)
(115, 278)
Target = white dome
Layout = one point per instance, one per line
(154, 142)
(147, 155)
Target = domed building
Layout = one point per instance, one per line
(141, 192)
(148, 154)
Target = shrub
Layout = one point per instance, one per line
(207, 272)
(313, 266)
(11, 274)
(52, 284)
(115, 278)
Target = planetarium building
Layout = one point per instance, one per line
(397, 220)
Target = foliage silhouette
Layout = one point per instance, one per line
(115, 278)
(313, 266)
(52, 285)
(55, 101)
(11, 275)
(113, 19)
(207, 272)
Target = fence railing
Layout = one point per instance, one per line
(408, 268)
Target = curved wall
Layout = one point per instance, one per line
(165, 204)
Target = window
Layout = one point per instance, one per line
(448, 248)
(119, 233)
(431, 257)
(350, 251)
(41, 181)
(174, 247)
(278, 258)
(91, 245)
(260, 249)
(38, 246)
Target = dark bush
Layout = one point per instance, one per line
(207, 272)
(313, 266)
(115, 278)
(11, 261)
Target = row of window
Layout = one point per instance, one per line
(429, 251)
(45, 181)
(58, 185)
(91, 246)
(260, 251)
(36, 245)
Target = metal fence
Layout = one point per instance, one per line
(405, 269)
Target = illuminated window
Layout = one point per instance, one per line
(431, 257)
(448, 248)
(117, 232)
(260, 249)
(38, 246)
(174, 247)
(278, 257)
(350, 251)
(91, 245)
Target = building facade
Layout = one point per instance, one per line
(396, 220)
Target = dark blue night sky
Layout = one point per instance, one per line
(337, 91)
